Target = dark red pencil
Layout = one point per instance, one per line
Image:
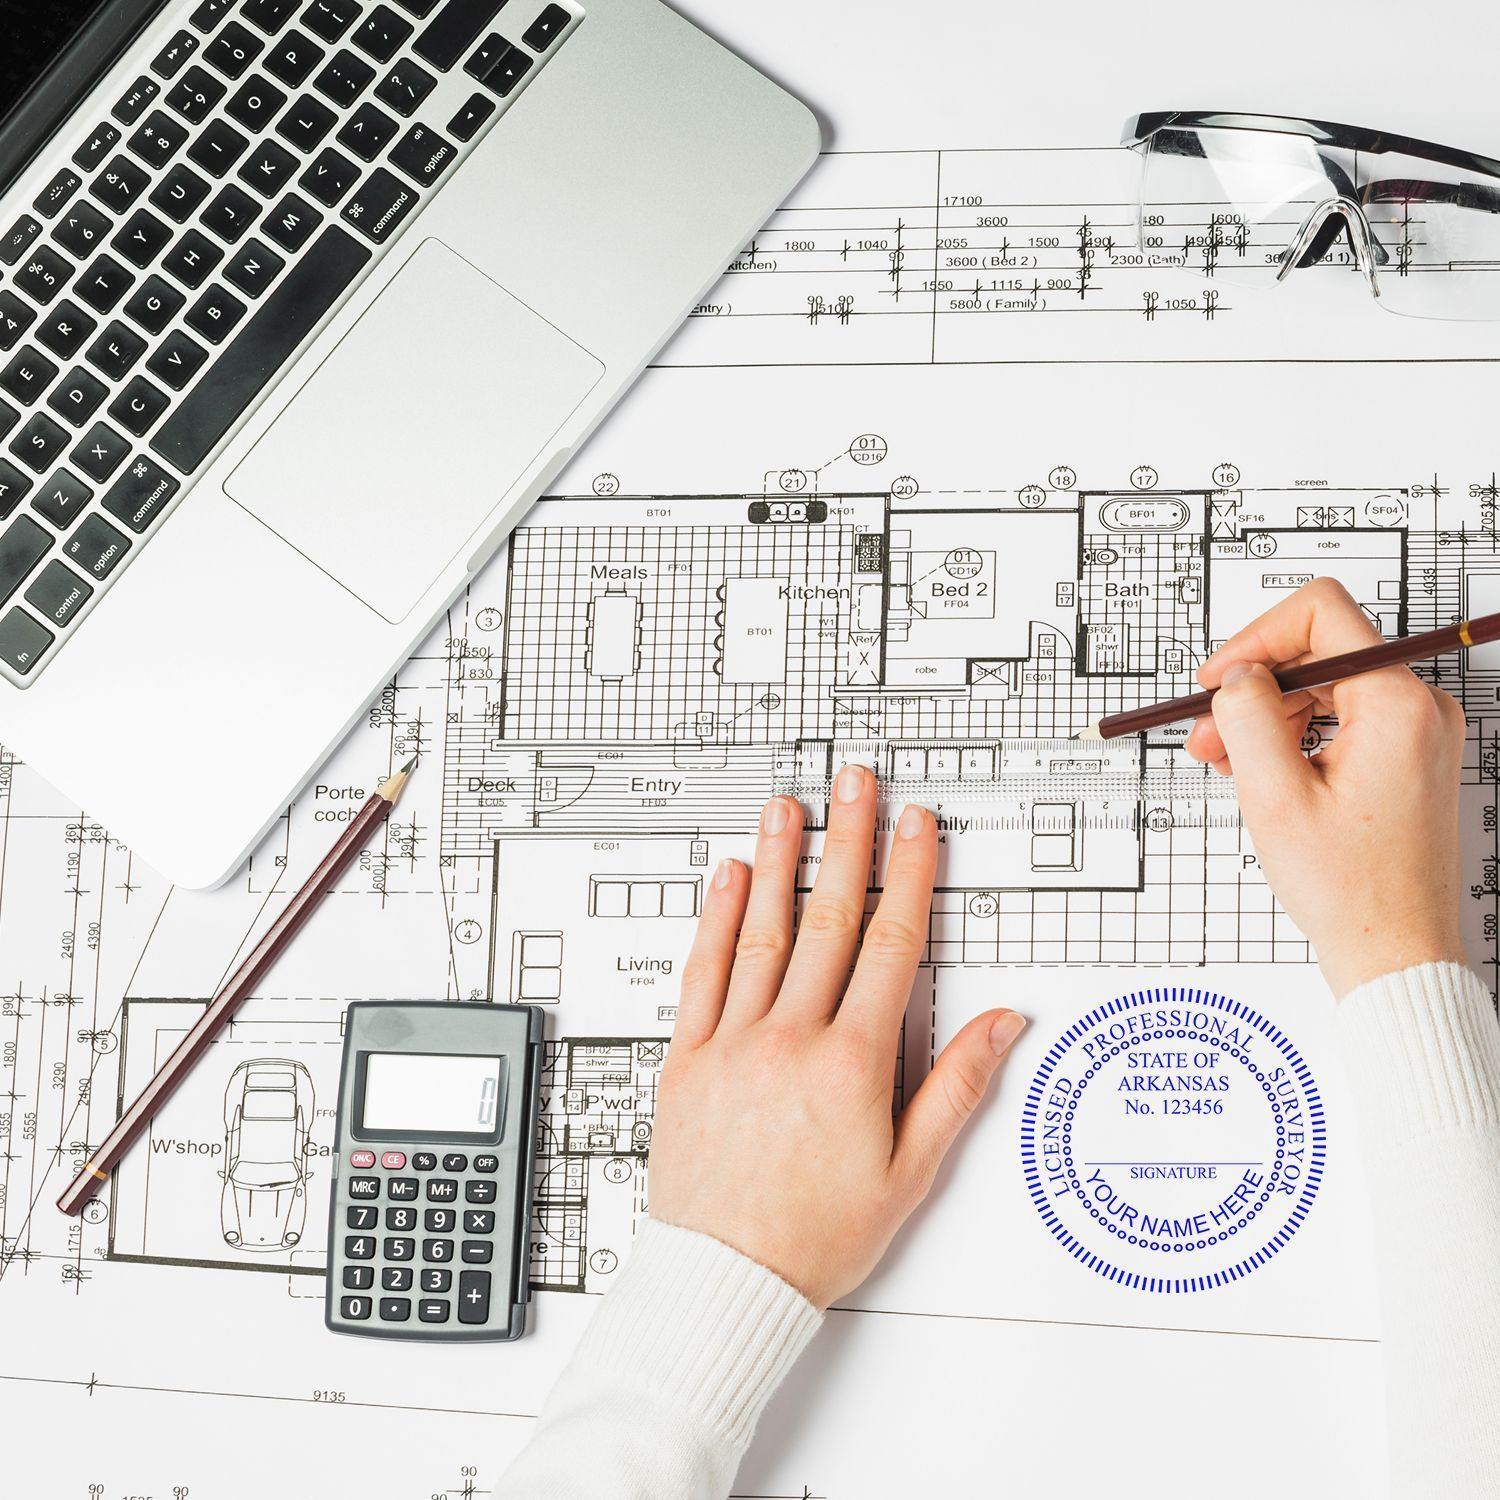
(1408, 648)
(356, 835)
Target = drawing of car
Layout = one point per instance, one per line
(268, 1111)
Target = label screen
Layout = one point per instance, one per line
(433, 1094)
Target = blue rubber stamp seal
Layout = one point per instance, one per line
(1173, 1140)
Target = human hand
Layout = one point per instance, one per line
(1359, 842)
(773, 1129)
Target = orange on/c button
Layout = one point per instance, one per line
(361, 1159)
(393, 1161)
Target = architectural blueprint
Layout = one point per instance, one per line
(934, 478)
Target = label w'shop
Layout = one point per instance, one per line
(1173, 1140)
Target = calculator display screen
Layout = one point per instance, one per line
(432, 1094)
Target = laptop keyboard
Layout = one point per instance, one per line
(213, 215)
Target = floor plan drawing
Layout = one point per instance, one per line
(944, 469)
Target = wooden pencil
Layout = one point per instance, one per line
(95, 1171)
(1405, 649)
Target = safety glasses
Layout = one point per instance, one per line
(1249, 198)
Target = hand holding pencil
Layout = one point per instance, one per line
(1360, 842)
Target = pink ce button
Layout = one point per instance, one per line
(393, 1161)
(361, 1159)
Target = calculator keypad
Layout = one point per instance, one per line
(402, 1233)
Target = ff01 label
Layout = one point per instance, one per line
(1173, 1140)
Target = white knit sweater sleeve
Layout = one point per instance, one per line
(1423, 1052)
(664, 1390)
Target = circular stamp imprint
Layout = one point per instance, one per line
(1173, 1140)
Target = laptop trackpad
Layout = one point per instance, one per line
(409, 433)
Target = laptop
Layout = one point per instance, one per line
(302, 303)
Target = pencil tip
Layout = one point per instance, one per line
(410, 766)
(1091, 733)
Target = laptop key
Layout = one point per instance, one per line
(13, 487)
(330, 19)
(191, 259)
(49, 202)
(253, 268)
(58, 594)
(465, 124)
(18, 238)
(194, 95)
(344, 78)
(291, 223)
(422, 154)
(15, 318)
(103, 283)
(215, 314)
(154, 304)
(218, 147)
(367, 132)
(255, 103)
(64, 328)
(22, 641)
(405, 87)
(115, 351)
(96, 548)
(419, 8)
(27, 375)
(81, 230)
(128, 107)
(9, 416)
(62, 499)
(293, 58)
(142, 238)
(509, 69)
(138, 406)
(269, 16)
(43, 274)
(233, 50)
(210, 13)
(98, 145)
(268, 168)
(40, 443)
(119, 184)
(310, 287)
(382, 34)
(170, 59)
(306, 123)
(77, 396)
(381, 205)
(545, 29)
(140, 494)
(179, 193)
(177, 359)
(23, 544)
(329, 177)
(231, 213)
(157, 139)
(100, 451)
(452, 31)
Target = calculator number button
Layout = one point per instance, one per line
(362, 1215)
(435, 1279)
(359, 1278)
(400, 1248)
(401, 1220)
(437, 1250)
(360, 1247)
(355, 1309)
(439, 1220)
(396, 1279)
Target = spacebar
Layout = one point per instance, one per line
(266, 342)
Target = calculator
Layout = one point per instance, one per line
(430, 1202)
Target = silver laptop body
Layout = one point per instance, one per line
(331, 385)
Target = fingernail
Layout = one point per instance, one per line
(1236, 670)
(773, 816)
(850, 783)
(913, 820)
(1008, 1026)
(724, 874)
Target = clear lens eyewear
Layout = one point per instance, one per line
(1247, 199)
